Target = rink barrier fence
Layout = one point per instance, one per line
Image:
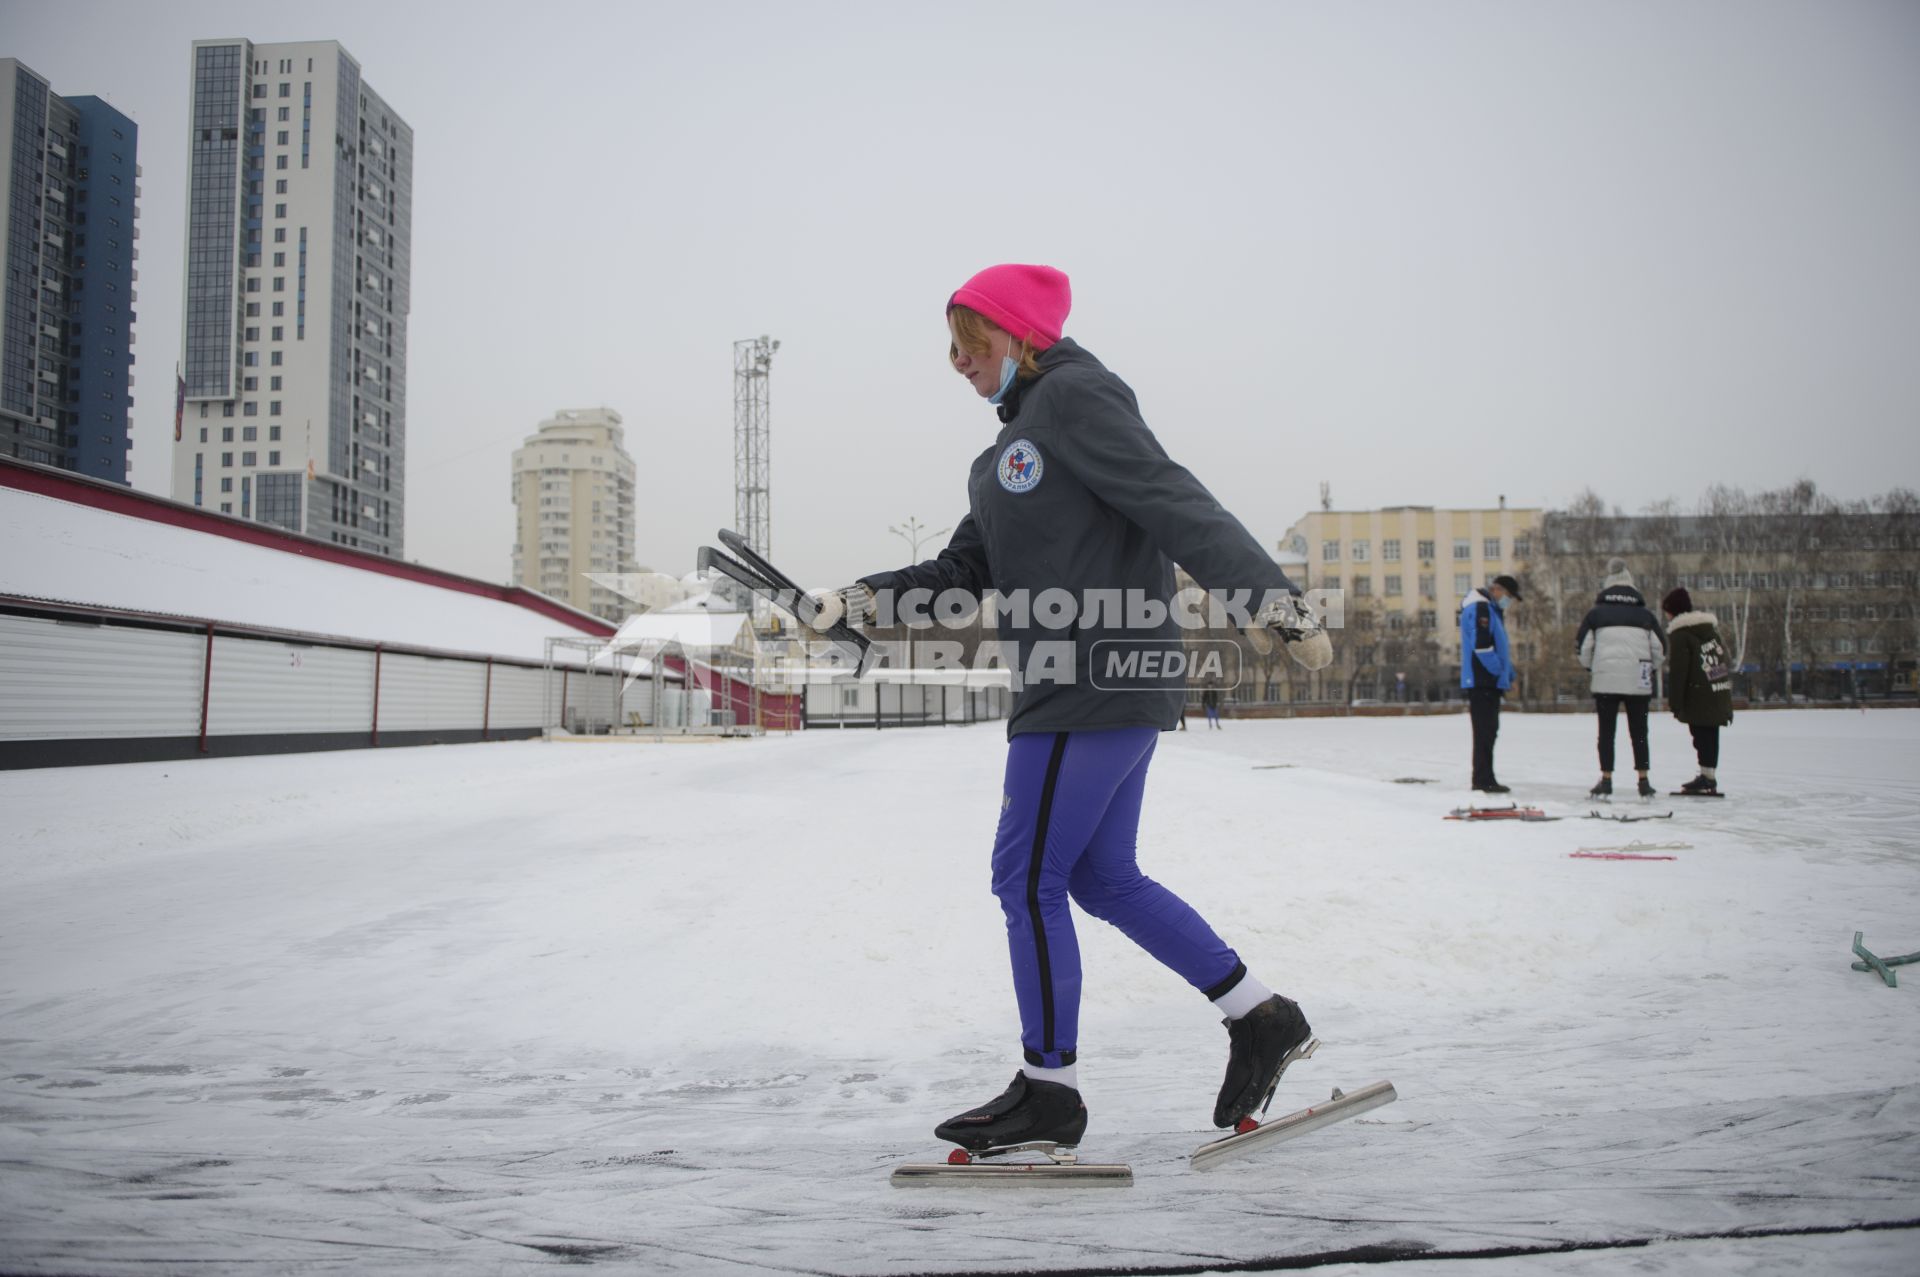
(887, 705)
(84, 685)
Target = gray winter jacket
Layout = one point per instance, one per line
(1077, 495)
(1621, 643)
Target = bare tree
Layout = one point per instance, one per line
(1656, 546)
(1726, 517)
(1795, 524)
(1361, 642)
(1574, 546)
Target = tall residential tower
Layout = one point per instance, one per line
(573, 484)
(294, 345)
(69, 200)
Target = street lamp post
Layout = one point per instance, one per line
(913, 532)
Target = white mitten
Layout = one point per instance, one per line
(852, 604)
(1298, 628)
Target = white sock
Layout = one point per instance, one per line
(1242, 997)
(1707, 772)
(1065, 1075)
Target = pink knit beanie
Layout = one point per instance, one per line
(1031, 302)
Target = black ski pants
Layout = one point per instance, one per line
(1483, 706)
(1607, 706)
(1706, 743)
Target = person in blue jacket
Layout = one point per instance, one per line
(1076, 495)
(1486, 671)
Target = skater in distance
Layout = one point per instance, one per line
(1699, 686)
(1210, 702)
(1621, 643)
(1486, 671)
(1075, 493)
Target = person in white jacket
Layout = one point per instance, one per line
(1621, 643)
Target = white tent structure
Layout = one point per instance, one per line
(693, 668)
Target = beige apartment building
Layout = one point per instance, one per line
(1405, 570)
(573, 484)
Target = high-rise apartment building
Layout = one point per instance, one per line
(573, 484)
(69, 209)
(294, 343)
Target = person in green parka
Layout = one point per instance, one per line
(1699, 685)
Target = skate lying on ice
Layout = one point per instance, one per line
(1060, 1167)
(1251, 1133)
(1509, 812)
(1635, 850)
(752, 570)
(1626, 819)
(1595, 854)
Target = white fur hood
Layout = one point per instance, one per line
(1690, 618)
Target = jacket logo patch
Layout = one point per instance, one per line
(1020, 466)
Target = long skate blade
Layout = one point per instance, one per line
(1072, 1175)
(853, 647)
(1338, 1109)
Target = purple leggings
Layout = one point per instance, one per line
(1067, 828)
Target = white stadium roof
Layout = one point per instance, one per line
(81, 542)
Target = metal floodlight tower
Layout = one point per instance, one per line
(752, 500)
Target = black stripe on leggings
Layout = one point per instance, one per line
(1033, 888)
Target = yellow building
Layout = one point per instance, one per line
(1404, 571)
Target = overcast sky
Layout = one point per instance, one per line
(1431, 253)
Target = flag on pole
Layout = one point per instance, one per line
(179, 401)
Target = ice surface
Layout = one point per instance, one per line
(493, 1008)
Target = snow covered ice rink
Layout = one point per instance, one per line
(681, 1008)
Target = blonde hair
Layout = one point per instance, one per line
(973, 332)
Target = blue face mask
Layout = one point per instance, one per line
(1008, 366)
(1502, 602)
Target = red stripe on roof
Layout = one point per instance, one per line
(100, 494)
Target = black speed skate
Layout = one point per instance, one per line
(1602, 790)
(1262, 1043)
(1029, 1111)
(1699, 787)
